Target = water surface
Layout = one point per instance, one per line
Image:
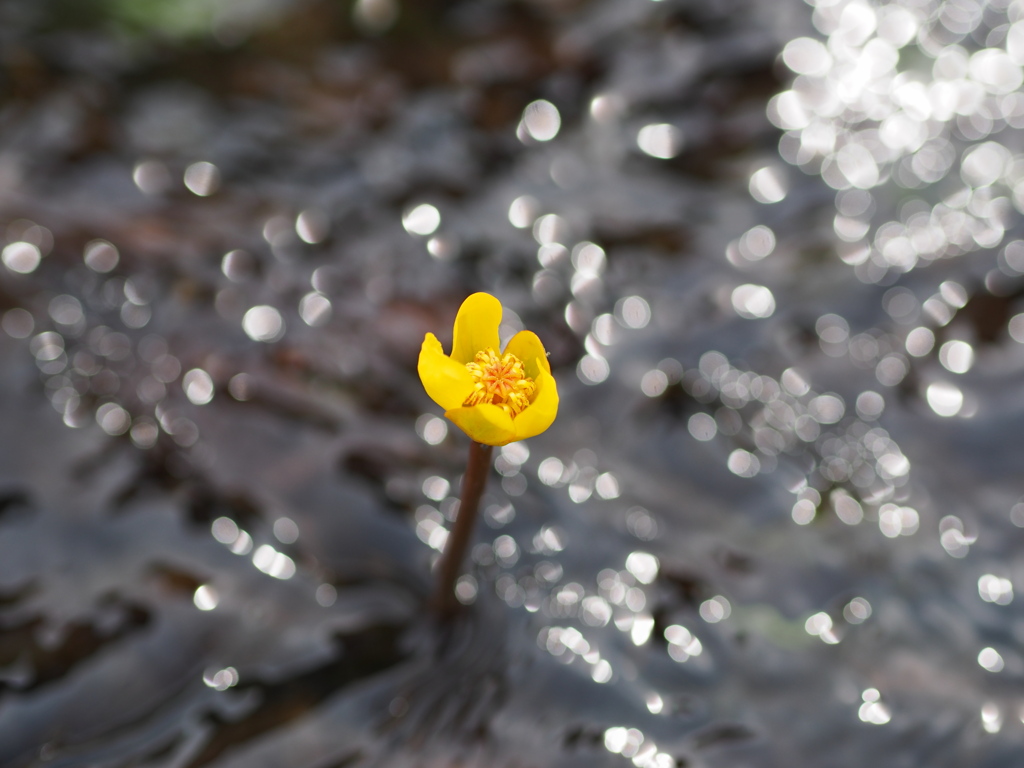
(773, 251)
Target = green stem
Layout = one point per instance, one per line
(444, 602)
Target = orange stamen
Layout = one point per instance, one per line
(500, 380)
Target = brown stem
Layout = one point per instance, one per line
(444, 602)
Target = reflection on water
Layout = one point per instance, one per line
(778, 512)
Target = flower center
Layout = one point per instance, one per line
(500, 380)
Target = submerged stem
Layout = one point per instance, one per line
(444, 602)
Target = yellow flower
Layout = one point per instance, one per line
(495, 398)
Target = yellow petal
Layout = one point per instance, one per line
(527, 347)
(542, 411)
(476, 327)
(487, 424)
(447, 382)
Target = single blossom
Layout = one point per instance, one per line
(494, 397)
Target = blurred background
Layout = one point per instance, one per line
(772, 248)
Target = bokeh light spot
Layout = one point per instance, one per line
(423, 219)
(263, 323)
(541, 120)
(944, 398)
(753, 302)
(205, 598)
(315, 309)
(21, 258)
(202, 178)
(198, 386)
(523, 211)
(660, 140)
(768, 185)
(18, 323)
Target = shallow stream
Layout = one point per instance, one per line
(772, 249)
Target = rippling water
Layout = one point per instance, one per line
(773, 250)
